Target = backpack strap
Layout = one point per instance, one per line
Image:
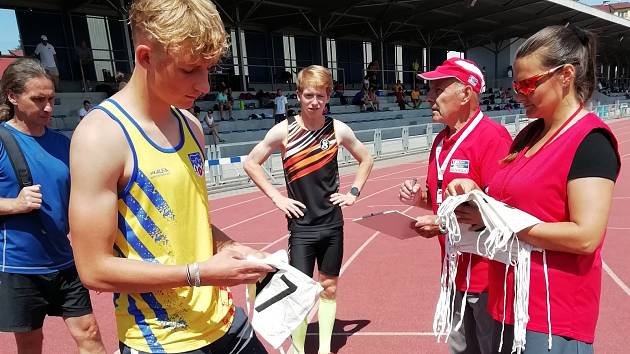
(20, 167)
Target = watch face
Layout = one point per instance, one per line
(354, 191)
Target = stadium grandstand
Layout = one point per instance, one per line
(273, 40)
(375, 40)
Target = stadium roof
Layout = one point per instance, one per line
(451, 24)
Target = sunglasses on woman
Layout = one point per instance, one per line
(527, 86)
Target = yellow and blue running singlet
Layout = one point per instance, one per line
(163, 218)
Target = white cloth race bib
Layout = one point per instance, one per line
(498, 241)
(283, 299)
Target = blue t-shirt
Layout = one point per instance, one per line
(37, 242)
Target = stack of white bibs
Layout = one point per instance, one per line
(498, 242)
(283, 299)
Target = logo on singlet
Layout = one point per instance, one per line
(197, 163)
(324, 144)
(159, 172)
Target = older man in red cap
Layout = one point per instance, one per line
(470, 146)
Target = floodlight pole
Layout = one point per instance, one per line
(382, 66)
(239, 50)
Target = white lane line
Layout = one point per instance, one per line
(236, 204)
(378, 334)
(275, 209)
(617, 228)
(282, 189)
(621, 197)
(249, 219)
(274, 242)
(616, 279)
(349, 262)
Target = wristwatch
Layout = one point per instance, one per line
(355, 191)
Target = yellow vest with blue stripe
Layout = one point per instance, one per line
(163, 218)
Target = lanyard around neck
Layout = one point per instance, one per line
(442, 168)
(557, 132)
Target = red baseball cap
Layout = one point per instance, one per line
(463, 70)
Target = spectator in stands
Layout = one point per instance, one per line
(471, 144)
(280, 105)
(48, 57)
(38, 276)
(372, 99)
(366, 82)
(121, 80)
(360, 99)
(561, 169)
(372, 70)
(259, 96)
(339, 93)
(224, 104)
(398, 86)
(140, 226)
(400, 97)
(207, 117)
(228, 93)
(87, 106)
(415, 97)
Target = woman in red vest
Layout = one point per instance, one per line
(561, 169)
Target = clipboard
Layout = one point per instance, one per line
(391, 222)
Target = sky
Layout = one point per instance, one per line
(595, 2)
(8, 27)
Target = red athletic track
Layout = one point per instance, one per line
(388, 289)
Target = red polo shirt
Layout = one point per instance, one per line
(477, 157)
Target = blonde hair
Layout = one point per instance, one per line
(315, 76)
(184, 28)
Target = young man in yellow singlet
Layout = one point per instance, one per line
(309, 143)
(139, 213)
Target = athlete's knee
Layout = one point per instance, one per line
(330, 291)
(85, 331)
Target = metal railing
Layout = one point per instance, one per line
(382, 143)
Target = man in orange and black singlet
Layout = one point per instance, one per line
(309, 144)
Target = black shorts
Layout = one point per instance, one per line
(325, 245)
(26, 299)
(240, 338)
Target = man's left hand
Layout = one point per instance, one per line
(342, 199)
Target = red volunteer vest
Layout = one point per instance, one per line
(538, 186)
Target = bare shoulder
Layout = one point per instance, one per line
(277, 134)
(191, 119)
(96, 134)
(343, 132)
(98, 128)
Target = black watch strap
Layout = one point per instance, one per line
(355, 191)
